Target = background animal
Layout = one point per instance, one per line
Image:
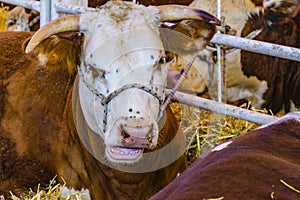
(281, 25)
(261, 164)
(266, 82)
(22, 19)
(55, 121)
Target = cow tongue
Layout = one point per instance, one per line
(123, 153)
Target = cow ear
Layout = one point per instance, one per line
(27, 11)
(24, 44)
(187, 36)
(200, 31)
(60, 50)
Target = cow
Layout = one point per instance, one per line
(85, 103)
(22, 19)
(261, 164)
(264, 81)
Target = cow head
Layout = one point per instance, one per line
(236, 14)
(22, 19)
(122, 72)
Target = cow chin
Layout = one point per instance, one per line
(123, 155)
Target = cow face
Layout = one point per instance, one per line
(121, 62)
(21, 19)
(237, 14)
(123, 72)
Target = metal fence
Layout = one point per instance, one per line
(51, 9)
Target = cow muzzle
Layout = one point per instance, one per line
(140, 136)
(131, 141)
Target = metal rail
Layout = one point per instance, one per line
(223, 108)
(256, 46)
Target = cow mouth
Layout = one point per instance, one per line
(123, 154)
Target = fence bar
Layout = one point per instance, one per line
(223, 108)
(220, 57)
(45, 13)
(258, 46)
(53, 13)
(71, 9)
(34, 5)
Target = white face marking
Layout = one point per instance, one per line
(122, 46)
(221, 146)
(42, 58)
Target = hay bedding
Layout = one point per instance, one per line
(204, 129)
(3, 16)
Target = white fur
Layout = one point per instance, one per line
(122, 45)
(238, 86)
(221, 146)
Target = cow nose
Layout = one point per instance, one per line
(136, 136)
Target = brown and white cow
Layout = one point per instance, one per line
(22, 19)
(261, 164)
(103, 128)
(265, 81)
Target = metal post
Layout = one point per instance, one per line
(219, 63)
(45, 12)
(54, 13)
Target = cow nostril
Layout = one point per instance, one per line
(124, 134)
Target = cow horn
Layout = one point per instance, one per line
(67, 23)
(180, 12)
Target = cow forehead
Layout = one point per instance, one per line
(121, 25)
(139, 45)
(122, 46)
(116, 17)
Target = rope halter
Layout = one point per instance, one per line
(105, 99)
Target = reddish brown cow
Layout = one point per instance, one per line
(280, 25)
(92, 130)
(261, 164)
(38, 136)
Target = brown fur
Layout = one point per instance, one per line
(38, 136)
(282, 75)
(253, 166)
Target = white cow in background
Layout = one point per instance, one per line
(270, 83)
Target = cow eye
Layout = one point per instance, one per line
(166, 57)
(162, 60)
(10, 22)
